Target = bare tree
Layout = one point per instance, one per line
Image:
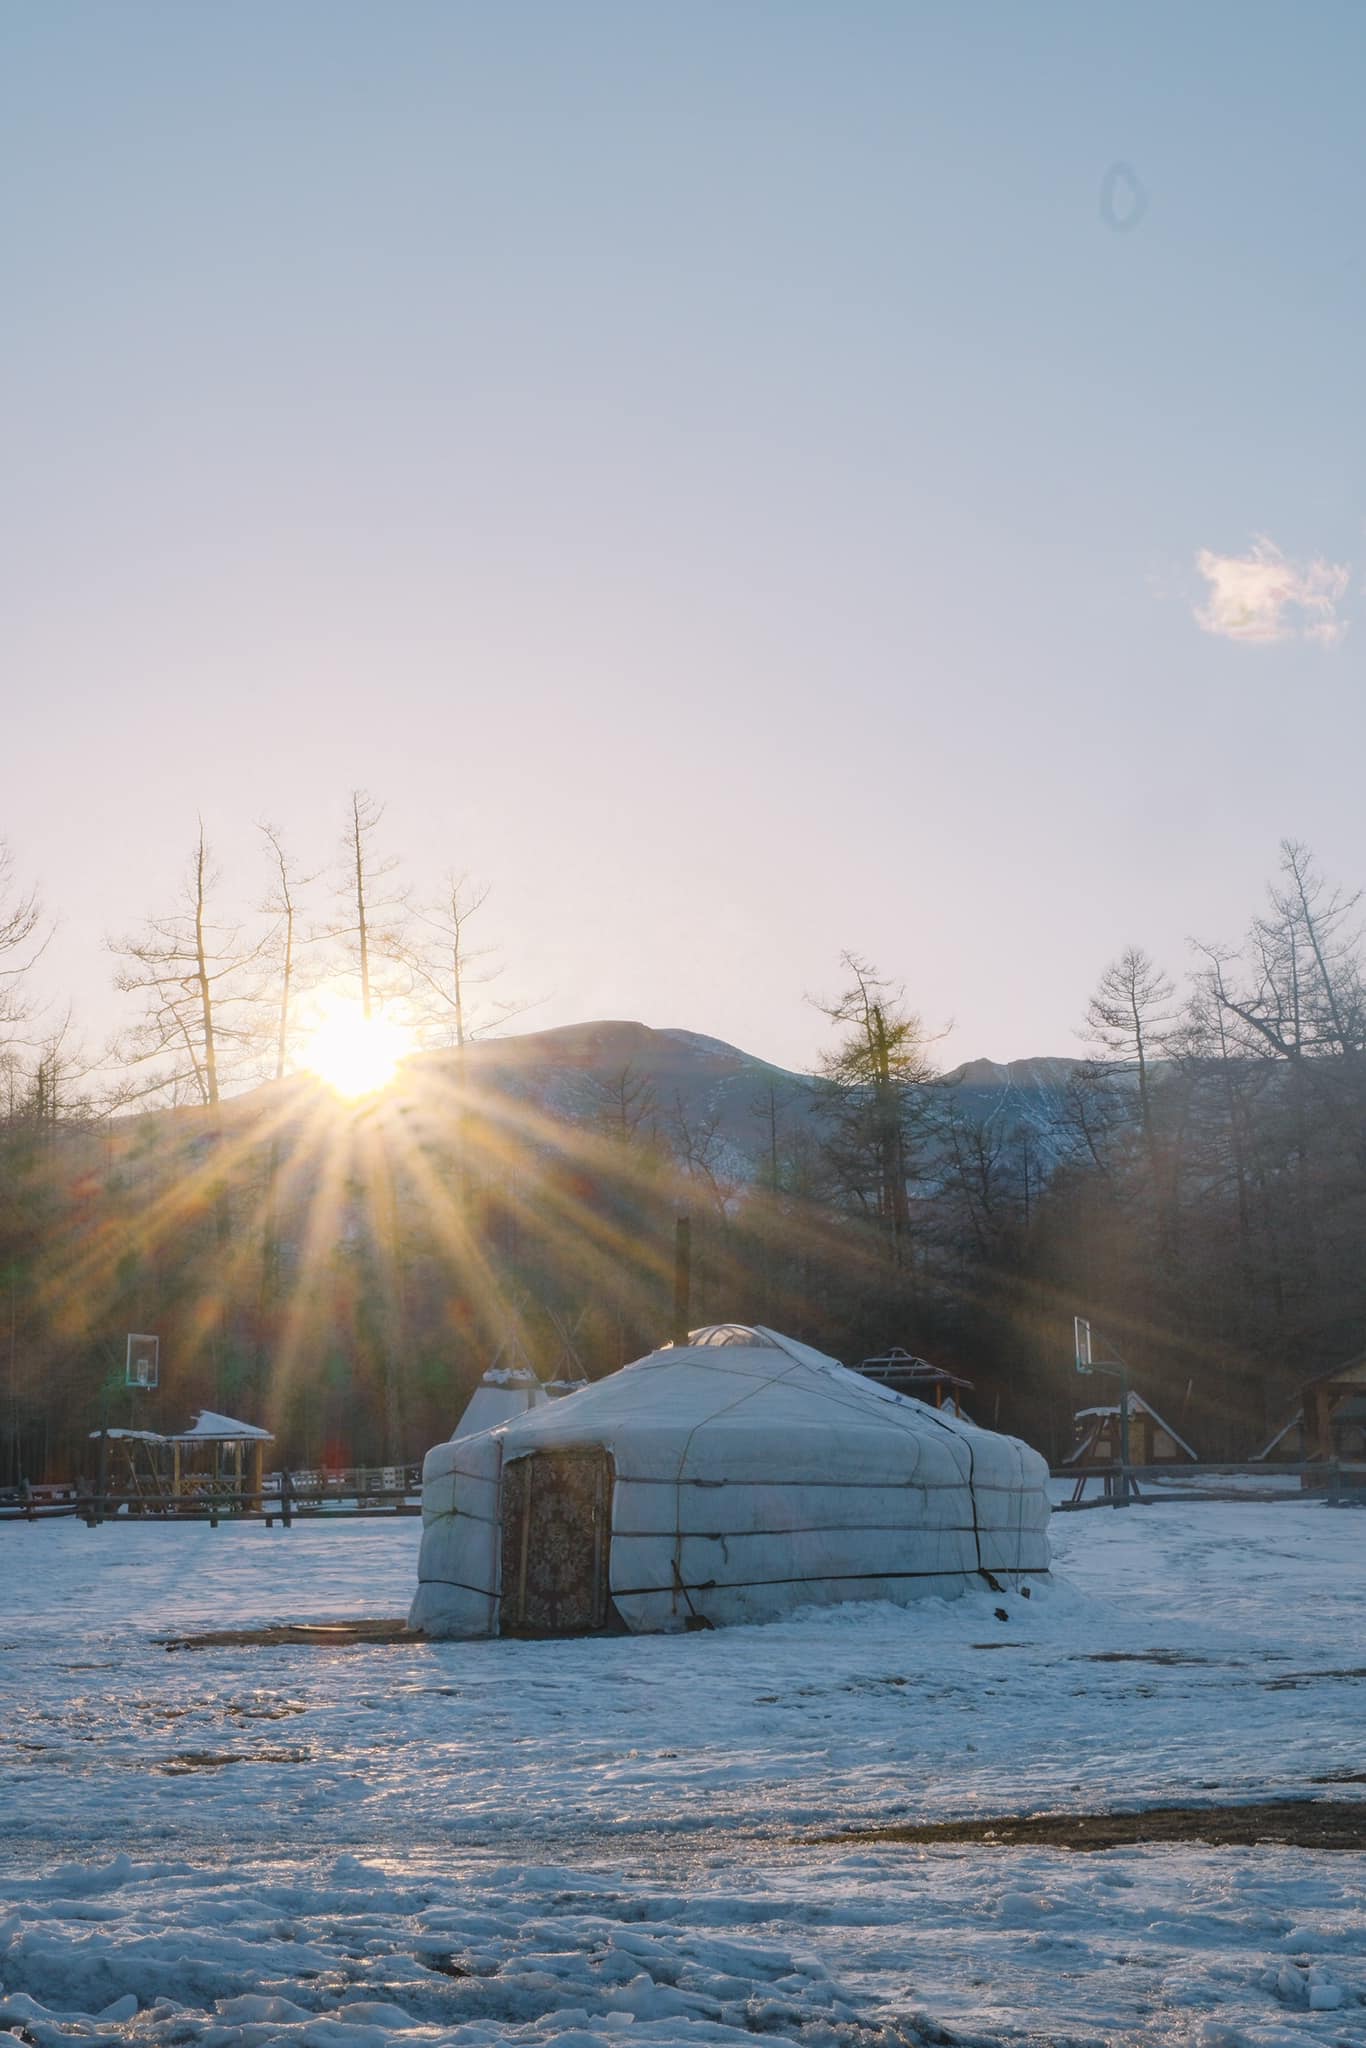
(1291, 1030)
(1097, 1121)
(1131, 1018)
(622, 1105)
(375, 919)
(282, 903)
(374, 930)
(200, 1016)
(769, 1108)
(446, 969)
(701, 1151)
(23, 936)
(1296, 993)
(59, 1090)
(982, 1171)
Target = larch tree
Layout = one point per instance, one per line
(871, 1079)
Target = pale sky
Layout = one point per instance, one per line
(749, 480)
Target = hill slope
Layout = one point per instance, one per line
(682, 1083)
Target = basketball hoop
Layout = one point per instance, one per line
(1117, 1369)
(142, 1362)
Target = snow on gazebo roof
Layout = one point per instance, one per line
(211, 1428)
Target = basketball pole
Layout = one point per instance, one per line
(1086, 1365)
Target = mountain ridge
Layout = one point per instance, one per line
(701, 1090)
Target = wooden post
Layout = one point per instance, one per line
(526, 1541)
(1321, 1410)
(682, 1278)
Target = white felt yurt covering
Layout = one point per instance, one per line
(728, 1480)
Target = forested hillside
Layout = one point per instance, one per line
(343, 1270)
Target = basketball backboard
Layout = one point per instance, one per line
(142, 1362)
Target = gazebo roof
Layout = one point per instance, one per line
(898, 1365)
(1351, 1374)
(211, 1428)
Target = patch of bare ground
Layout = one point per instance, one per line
(216, 1759)
(320, 1635)
(1285, 1823)
(1141, 1657)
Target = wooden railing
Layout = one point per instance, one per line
(286, 1497)
(1338, 1480)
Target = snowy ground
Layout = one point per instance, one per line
(575, 1842)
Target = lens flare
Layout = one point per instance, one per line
(354, 1054)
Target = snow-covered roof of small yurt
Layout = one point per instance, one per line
(739, 1401)
(505, 1392)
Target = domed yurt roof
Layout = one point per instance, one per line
(737, 1400)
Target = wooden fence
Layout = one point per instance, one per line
(361, 1492)
(1339, 1481)
(285, 1497)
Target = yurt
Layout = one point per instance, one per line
(729, 1479)
(504, 1392)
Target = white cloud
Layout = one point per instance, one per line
(1260, 596)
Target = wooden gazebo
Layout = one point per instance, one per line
(1333, 1413)
(219, 1455)
(907, 1374)
(1329, 1426)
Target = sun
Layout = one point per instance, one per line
(354, 1054)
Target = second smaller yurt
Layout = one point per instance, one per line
(504, 1392)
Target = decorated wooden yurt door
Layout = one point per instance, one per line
(557, 1534)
